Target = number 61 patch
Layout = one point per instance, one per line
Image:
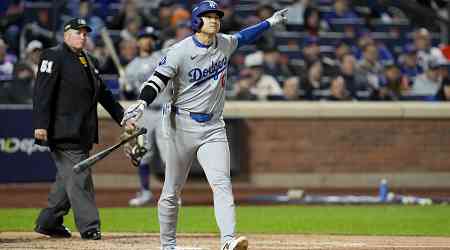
(46, 66)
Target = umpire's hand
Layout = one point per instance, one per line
(40, 134)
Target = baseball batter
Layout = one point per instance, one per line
(192, 122)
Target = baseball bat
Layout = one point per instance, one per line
(113, 53)
(86, 163)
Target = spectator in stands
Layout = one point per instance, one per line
(311, 54)
(428, 83)
(425, 50)
(370, 66)
(355, 81)
(312, 85)
(274, 64)
(265, 10)
(291, 89)
(11, 22)
(33, 54)
(338, 90)
(444, 91)
(392, 85)
(86, 12)
(230, 21)
(342, 48)
(313, 22)
(128, 10)
(41, 29)
(161, 20)
(341, 10)
(21, 88)
(298, 7)
(182, 31)
(180, 14)
(127, 52)
(131, 29)
(254, 83)
(6, 65)
(384, 55)
(142, 66)
(409, 65)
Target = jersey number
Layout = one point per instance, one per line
(46, 66)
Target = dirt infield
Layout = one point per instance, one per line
(116, 241)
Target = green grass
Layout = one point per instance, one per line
(349, 220)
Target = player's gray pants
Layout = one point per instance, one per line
(70, 190)
(207, 141)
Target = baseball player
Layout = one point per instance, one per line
(193, 124)
(136, 72)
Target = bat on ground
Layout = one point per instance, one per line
(86, 163)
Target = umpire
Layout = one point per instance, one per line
(67, 90)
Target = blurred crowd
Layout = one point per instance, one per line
(335, 50)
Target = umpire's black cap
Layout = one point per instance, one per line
(76, 24)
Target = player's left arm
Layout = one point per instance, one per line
(250, 34)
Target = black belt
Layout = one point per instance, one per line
(154, 107)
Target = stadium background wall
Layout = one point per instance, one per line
(280, 144)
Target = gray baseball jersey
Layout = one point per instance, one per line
(198, 74)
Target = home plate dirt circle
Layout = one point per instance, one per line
(144, 241)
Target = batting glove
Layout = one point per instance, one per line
(134, 111)
(278, 17)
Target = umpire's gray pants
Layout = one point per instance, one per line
(71, 189)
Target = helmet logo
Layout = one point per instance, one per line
(212, 4)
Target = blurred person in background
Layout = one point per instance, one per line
(428, 83)
(355, 81)
(275, 65)
(182, 31)
(341, 10)
(370, 66)
(425, 50)
(338, 90)
(254, 84)
(312, 84)
(291, 89)
(298, 7)
(6, 64)
(11, 22)
(313, 22)
(137, 72)
(409, 64)
(131, 29)
(230, 21)
(127, 52)
(161, 20)
(444, 91)
(33, 54)
(392, 86)
(128, 10)
(86, 12)
(20, 91)
(311, 55)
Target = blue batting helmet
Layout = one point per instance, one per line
(202, 8)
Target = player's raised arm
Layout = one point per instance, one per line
(250, 34)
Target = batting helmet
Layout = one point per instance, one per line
(202, 8)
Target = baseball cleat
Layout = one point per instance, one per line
(240, 243)
(141, 199)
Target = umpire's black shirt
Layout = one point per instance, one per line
(67, 90)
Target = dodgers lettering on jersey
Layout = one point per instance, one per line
(199, 73)
(199, 76)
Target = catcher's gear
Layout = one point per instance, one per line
(278, 17)
(134, 149)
